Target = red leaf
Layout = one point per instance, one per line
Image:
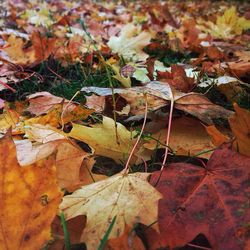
(212, 201)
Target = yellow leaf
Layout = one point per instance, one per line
(16, 52)
(128, 196)
(130, 43)
(240, 125)
(8, 119)
(229, 24)
(102, 138)
(29, 197)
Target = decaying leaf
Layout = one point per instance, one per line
(29, 199)
(127, 196)
(213, 201)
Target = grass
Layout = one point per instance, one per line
(60, 81)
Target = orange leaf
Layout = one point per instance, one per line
(217, 137)
(127, 241)
(43, 46)
(29, 197)
(240, 125)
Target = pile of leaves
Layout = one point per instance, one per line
(124, 125)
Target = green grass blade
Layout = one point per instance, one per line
(65, 232)
(106, 235)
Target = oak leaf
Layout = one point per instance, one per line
(213, 201)
(127, 196)
(29, 198)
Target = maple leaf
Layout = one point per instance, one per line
(29, 198)
(16, 53)
(127, 196)
(102, 138)
(40, 17)
(212, 201)
(130, 43)
(228, 25)
(42, 46)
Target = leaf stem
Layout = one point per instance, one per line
(139, 137)
(168, 134)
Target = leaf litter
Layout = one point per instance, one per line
(160, 89)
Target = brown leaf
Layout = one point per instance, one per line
(200, 107)
(42, 102)
(187, 137)
(177, 78)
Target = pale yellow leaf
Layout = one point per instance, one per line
(128, 196)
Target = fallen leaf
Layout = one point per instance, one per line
(102, 138)
(212, 201)
(9, 118)
(130, 43)
(218, 138)
(71, 161)
(187, 137)
(75, 226)
(240, 125)
(29, 198)
(1, 103)
(41, 102)
(193, 103)
(43, 46)
(16, 52)
(200, 107)
(127, 196)
(228, 25)
(41, 133)
(127, 241)
(177, 78)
